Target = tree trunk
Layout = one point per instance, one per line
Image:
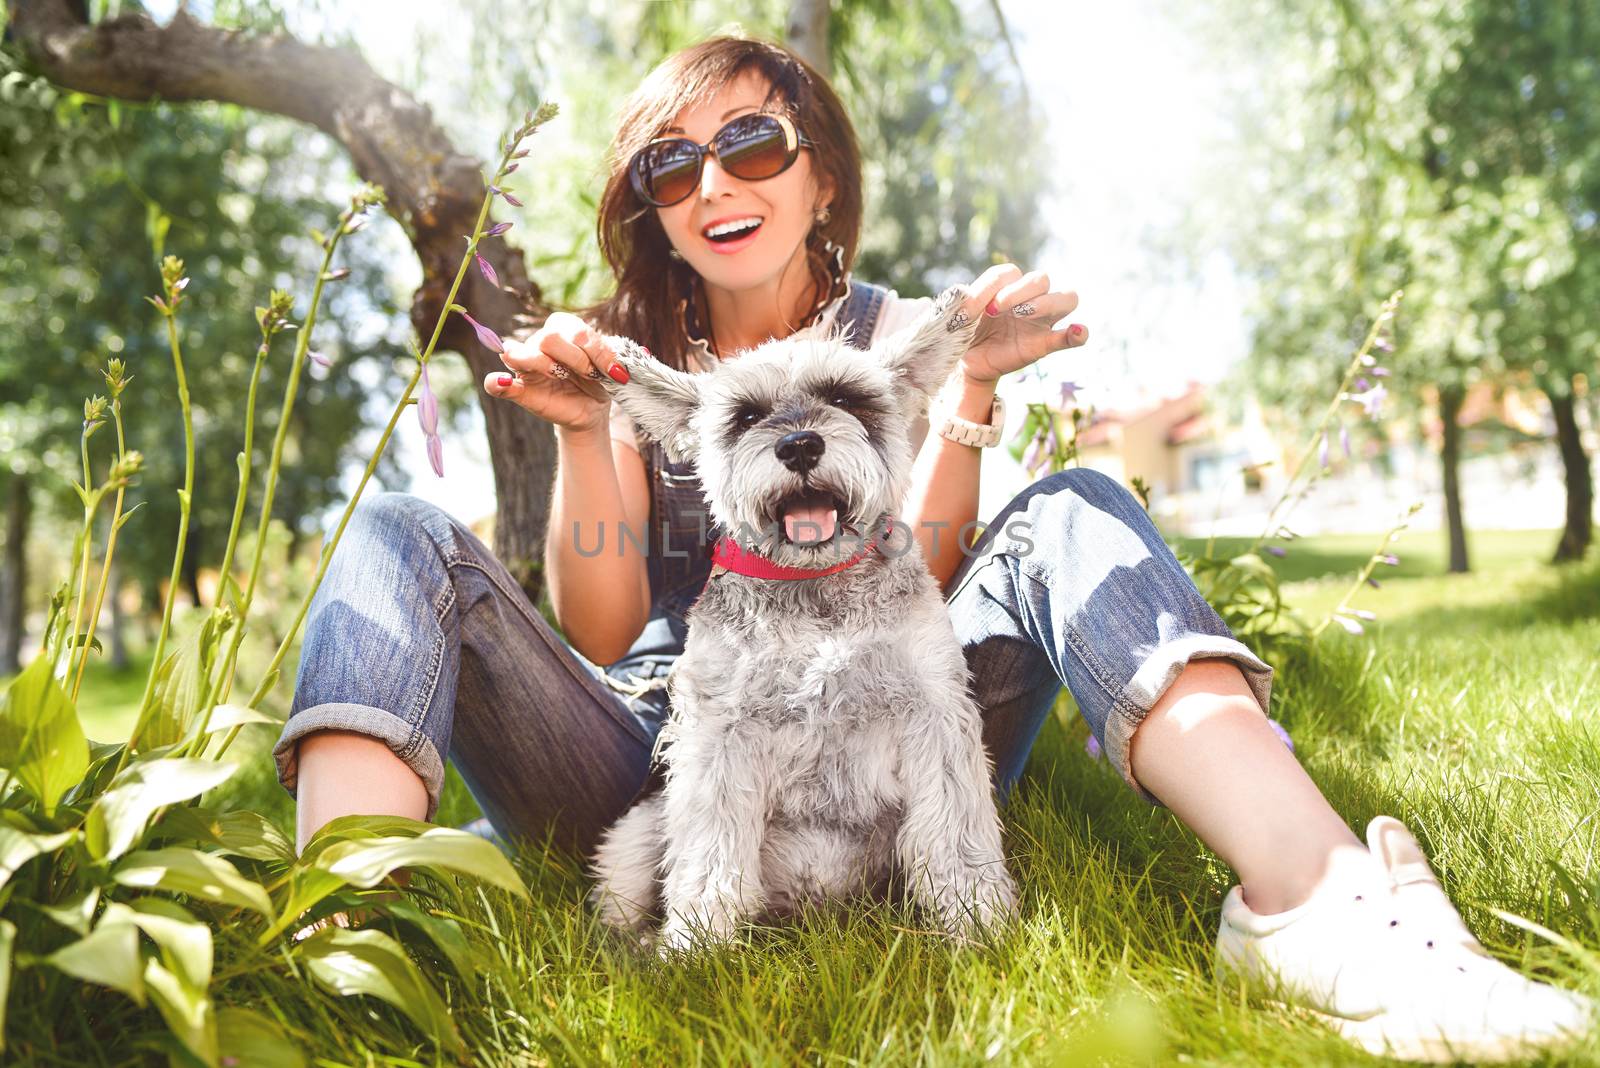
(431, 189)
(118, 638)
(807, 33)
(14, 574)
(1580, 479)
(191, 562)
(1450, 401)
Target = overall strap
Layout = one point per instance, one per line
(861, 310)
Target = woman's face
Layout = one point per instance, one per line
(784, 204)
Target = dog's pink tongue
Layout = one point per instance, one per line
(809, 523)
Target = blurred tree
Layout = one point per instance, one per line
(1349, 193)
(85, 189)
(1520, 117)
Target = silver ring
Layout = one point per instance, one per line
(958, 320)
(1024, 309)
(560, 371)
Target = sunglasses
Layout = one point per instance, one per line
(751, 147)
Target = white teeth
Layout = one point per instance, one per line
(730, 227)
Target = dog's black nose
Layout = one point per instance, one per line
(800, 451)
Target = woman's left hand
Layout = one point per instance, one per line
(1016, 315)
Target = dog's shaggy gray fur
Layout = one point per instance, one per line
(823, 740)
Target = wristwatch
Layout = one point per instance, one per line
(966, 432)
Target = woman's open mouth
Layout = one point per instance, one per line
(732, 235)
(810, 516)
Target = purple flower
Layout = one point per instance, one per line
(1372, 400)
(1322, 452)
(1277, 550)
(1092, 747)
(1069, 393)
(319, 358)
(1362, 385)
(1383, 344)
(1349, 624)
(489, 338)
(428, 407)
(512, 200)
(1380, 372)
(436, 454)
(1344, 440)
(510, 167)
(1374, 583)
(488, 271)
(1283, 735)
(1030, 459)
(1362, 613)
(497, 229)
(337, 274)
(1389, 558)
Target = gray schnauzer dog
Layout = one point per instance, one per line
(823, 740)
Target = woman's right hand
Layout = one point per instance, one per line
(576, 402)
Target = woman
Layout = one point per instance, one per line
(731, 217)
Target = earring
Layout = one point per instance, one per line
(822, 216)
(674, 254)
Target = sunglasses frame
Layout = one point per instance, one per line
(794, 141)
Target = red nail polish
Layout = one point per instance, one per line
(1077, 330)
(503, 381)
(618, 373)
(992, 309)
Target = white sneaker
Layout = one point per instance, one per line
(1392, 967)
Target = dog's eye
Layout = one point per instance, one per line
(748, 417)
(846, 399)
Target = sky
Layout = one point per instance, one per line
(1132, 108)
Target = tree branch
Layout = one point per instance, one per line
(431, 188)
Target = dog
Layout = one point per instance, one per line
(823, 741)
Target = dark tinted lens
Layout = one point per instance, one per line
(670, 170)
(752, 147)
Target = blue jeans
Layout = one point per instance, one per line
(418, 636)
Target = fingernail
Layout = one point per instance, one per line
(503, 381)
(992, 309)
(618, 373)
(1076, 330)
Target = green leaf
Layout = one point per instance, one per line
(224, 717)
(369, 962)
(442, 931)
(243, 834)
(189, 871)
(249, 1038)
(125, 516)
(18, 847)
(184, 941)
(75, 912)
(118, 818)
(366, 863)
(186, 1009)
(40, 738)
(107, 957)
(8, 942)
(176, 699)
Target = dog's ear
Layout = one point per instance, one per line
(660, 400)
(922, 355)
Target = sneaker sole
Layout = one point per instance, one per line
(1379, 1035)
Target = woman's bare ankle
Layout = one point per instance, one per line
(343, 773)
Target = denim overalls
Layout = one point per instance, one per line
(681, 538)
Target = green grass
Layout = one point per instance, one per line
(1468, 711)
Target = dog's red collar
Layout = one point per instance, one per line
(727, 554)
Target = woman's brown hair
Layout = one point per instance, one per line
(649, 282)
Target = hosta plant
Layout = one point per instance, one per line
(131, 903)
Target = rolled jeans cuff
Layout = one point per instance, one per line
(1158, 672)
(409, 744)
